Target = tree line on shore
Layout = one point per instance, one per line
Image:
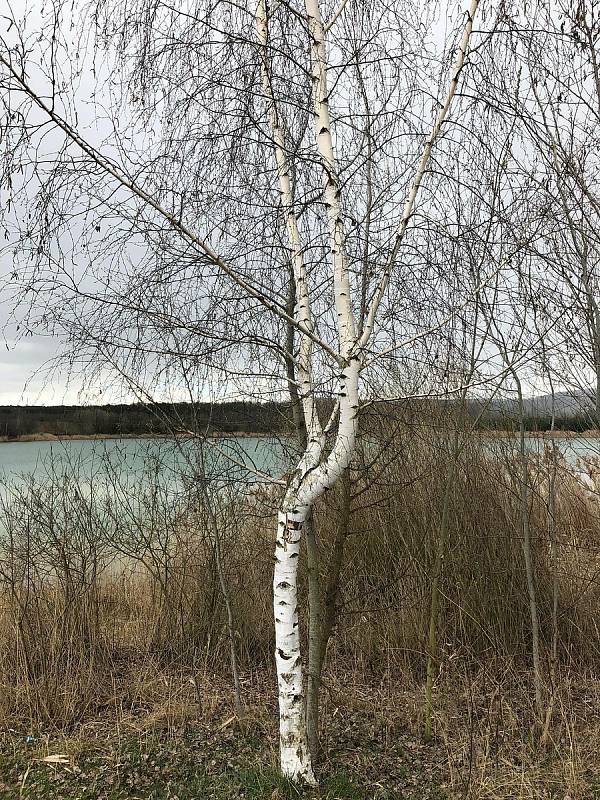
(237, 417)
(137, 418)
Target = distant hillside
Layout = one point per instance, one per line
(123, 420)
(566, 404)
(572, 411)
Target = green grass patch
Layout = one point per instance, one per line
(203, 762)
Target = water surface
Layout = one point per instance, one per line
(227, 459)
(245, 459)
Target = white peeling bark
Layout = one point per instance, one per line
(323, 477)
(316, 473)
(303, 311)
(295, 760)
(293, 746)
(309, 483)
(331, 184)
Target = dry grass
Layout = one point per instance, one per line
(111, 614)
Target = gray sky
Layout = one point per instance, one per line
(34, 370)
(28, 369)
(29, 373)
(24, 371)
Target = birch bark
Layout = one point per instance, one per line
(316, 472)
(293, 747)
(295, 760)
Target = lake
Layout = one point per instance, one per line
(573, 448)
(247, 459)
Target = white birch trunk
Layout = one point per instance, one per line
(295, 761)
(310, 482)
(315, 474)
(331, 185)
(293, 746)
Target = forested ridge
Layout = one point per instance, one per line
(239, 417)
(131, 419)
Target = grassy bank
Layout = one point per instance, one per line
(113, 635)
(187, 744)
(198, 750)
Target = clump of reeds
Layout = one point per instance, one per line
(102, 582)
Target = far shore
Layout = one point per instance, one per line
(557, 434)
(56, 437)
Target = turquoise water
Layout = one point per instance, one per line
(573, 448)
(227, 459)
(224, 460)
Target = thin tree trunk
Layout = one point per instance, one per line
(551, 510)
(231, 631)
(290, 367)
(314, 639)
(552, 535)
(316, 473)
(326, 611)
(334, 569)
(435, 594)
(309, 483)
(597, 397)
(595, 328)
(434, 612)
(527, 552)
(294, 754)
(312, 550)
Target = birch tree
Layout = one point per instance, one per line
(237, 208)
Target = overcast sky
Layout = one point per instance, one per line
(24, 379)
(31, 375)
(29, 370)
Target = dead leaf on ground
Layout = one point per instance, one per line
(56, 759)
